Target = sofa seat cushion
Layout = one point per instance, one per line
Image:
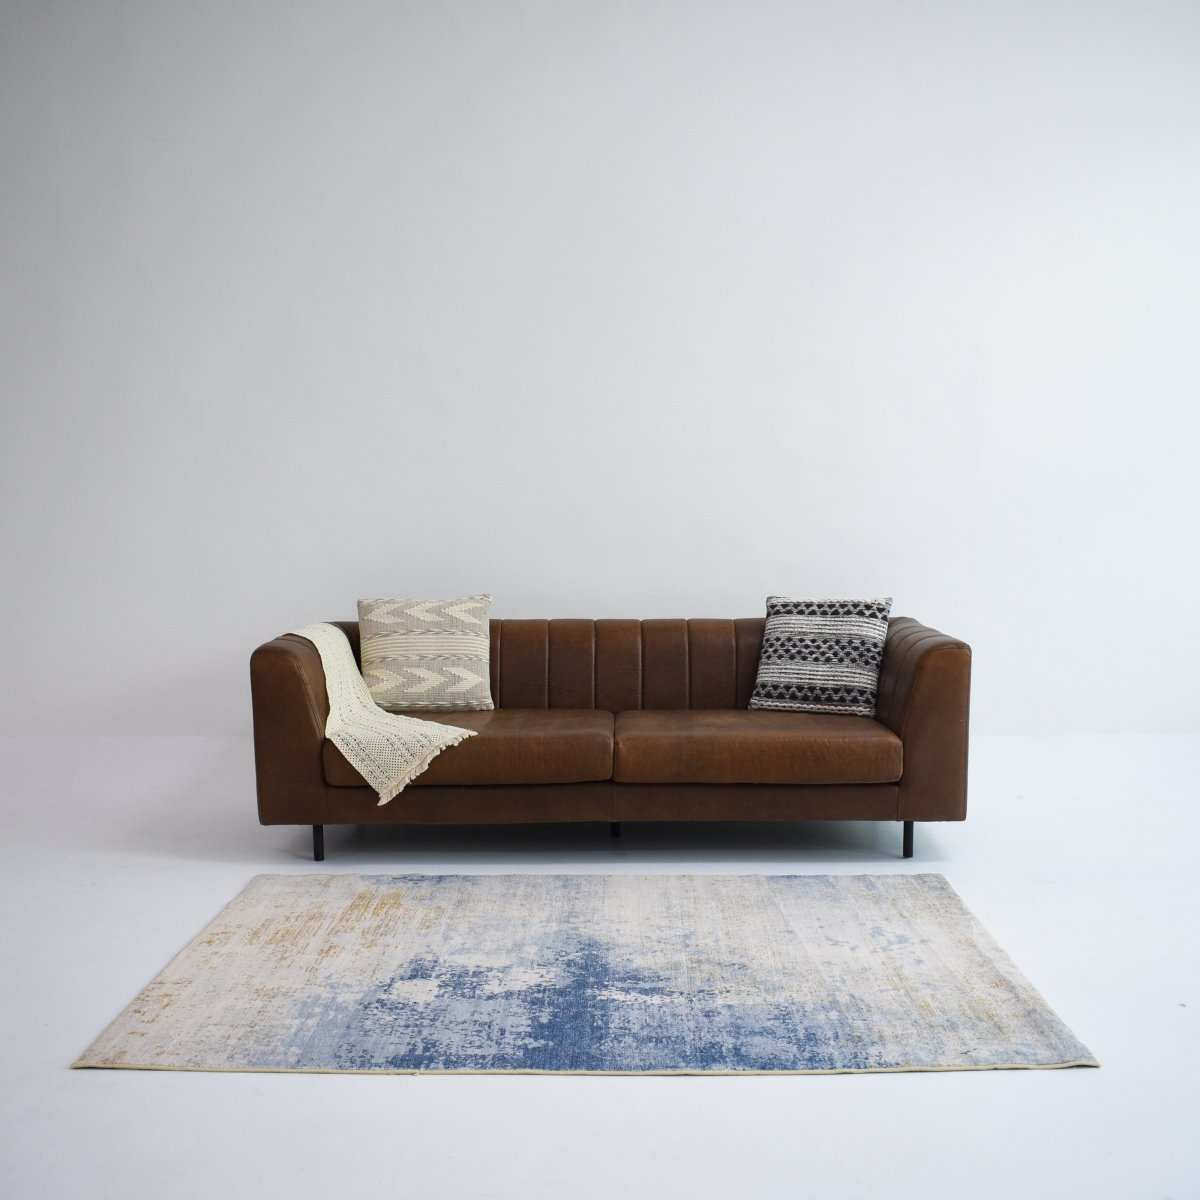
(512, 746)
(740, 746)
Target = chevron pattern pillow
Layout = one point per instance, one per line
(821, 656)
(430, 655)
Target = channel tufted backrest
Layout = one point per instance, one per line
(620, 665)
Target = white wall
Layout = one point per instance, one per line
(612, 309)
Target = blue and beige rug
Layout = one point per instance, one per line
(613, 974)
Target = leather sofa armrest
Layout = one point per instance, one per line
(291, 707)
(924, 698)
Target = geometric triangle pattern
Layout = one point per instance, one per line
(430, 655)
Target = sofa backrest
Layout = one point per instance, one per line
(621, 665)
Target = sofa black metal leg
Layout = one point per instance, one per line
(908, 839)
(318, 843)
(614, 830)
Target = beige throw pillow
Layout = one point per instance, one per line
(427, 654)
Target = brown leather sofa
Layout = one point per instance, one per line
(616, 720)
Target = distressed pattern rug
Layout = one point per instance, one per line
(621, 974)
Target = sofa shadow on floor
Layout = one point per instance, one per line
(221, 833)
(806, 844)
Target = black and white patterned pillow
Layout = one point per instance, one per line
(821, 656)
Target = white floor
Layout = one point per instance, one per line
(1080, 856)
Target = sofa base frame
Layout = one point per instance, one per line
(614, 830)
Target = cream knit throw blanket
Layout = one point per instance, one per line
(389, 751)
